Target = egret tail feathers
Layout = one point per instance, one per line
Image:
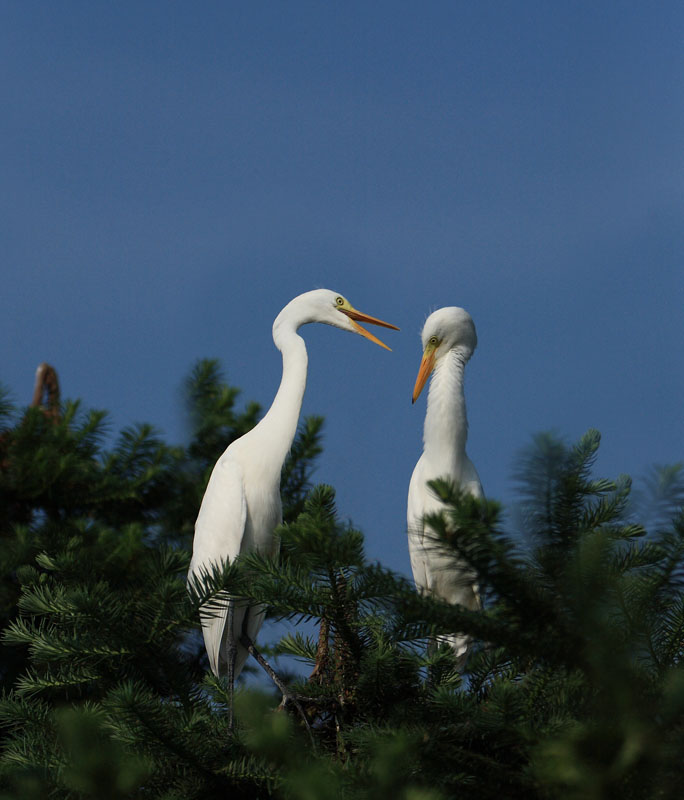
(247, 619)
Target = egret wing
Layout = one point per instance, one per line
(470, 480)
(472, 484)
(417, 500)
(219, 531)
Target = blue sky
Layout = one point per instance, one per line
(173, 173)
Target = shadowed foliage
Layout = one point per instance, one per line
(574, 689)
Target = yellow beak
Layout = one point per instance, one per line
(426, 367)
(356, 317)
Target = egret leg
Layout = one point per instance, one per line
(231, 655)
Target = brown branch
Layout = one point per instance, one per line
(322, 665)
(288, 696)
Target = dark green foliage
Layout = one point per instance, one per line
(101, 660)
(583, 633)
(361, 673)
(574, 690)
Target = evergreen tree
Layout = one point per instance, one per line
(99, 635)
(575, 688)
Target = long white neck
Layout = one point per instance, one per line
(446, 424)
(279, 426)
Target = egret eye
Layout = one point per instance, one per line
(434, 341)
(339, 301)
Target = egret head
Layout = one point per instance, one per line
(446, 329)
(331, 308)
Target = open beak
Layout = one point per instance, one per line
(356, 317)
(426, 367)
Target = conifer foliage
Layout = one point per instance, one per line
(574, 690)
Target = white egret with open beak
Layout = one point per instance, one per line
(241, 506)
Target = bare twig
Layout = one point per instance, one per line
(288, 696)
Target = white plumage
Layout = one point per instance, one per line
(449, 340)
(241, 506)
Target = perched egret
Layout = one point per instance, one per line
(241, 506)
(448, 339)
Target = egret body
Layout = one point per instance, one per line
(448, 340)
(241, 506)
